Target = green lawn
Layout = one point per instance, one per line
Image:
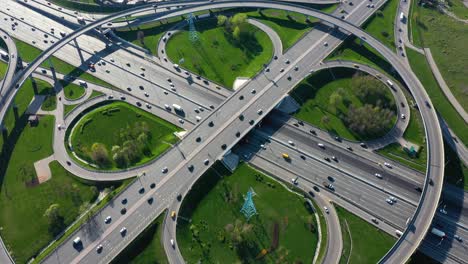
(146, 248)
(458, 8)
(381, 24)
(215, 231)
(367, 244)
(29, 53)
(290, 29)
(218, 57)
(72, 91)
(456, 171)
(113, 189)
(111, 121)
(423, 72)
(22, 200)
(395, 152)
(50, 103)
(313, 94)
(447, 40)
(152, 34)
(68, 108)
(3, 69)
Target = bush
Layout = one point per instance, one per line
(369, 120)
(385, 34)
(99, 154)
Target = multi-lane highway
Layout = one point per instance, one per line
(223, 119)
(12, 61)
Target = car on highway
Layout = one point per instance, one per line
(393, 199)
(290, 142)
(294, 180)
(123, 231)
(403, 116)
(330, 178)
(164, 170)
(173, 215)
(172, 243)
(349, 148)
(363, 145)
(327, 159)
(388, 165)
(335, 158)
(286, 156)
(374, 220)
(378, 175)
(206, 162)
(326, 209)
(389, 201)
(108, 219)
(321, 145)
(99, 248)
(457, 237)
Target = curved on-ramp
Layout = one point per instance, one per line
(421, 221)
(12, 62)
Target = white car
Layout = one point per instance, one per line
(326, 209)
(389, 201)
(321, 145)
(164, 170)
(387, 165)
(112, 60)
(325, 44)
(172, 243)
(393, 199)
(290, 142)
(99, 248)
(403, 116)
(378, 175)
(206, 162)
(123, 231)
(294, 181)
(108, 219)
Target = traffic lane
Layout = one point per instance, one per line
(280, 171)
(355, 191)
(279, 120)
(88, 45)
(349, 163)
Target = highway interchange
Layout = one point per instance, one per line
(138, 215)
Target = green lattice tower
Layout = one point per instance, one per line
(193, 34)
(248, 209)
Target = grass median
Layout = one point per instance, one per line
(333, 99)
(363, 242)
(218, 56)
(127, 136)
(283, 229)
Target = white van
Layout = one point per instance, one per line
(83, 83)
(177, 107)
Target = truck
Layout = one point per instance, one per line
(441, 234)
(402, 17)
(177, 107)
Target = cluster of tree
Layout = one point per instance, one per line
(372, 91)
(135, 144)
(235, 25)
(55, 219)
(369, 120)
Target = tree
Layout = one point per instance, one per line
(335, 99)
(221, 20)
(236, 33)
(369, 120)
(99, 154)
(55, 220)
(95, 192)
